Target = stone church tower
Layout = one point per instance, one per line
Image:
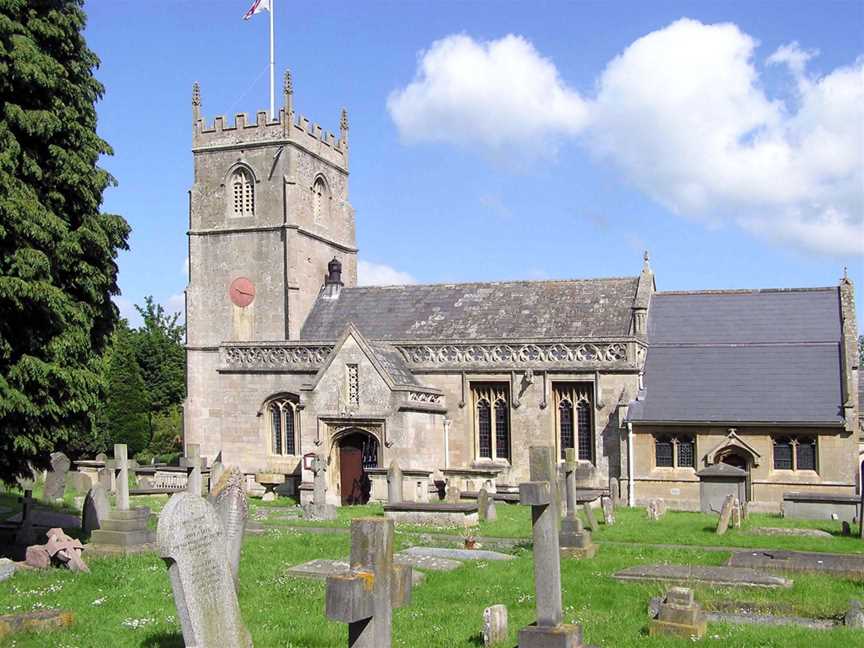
(268, 211)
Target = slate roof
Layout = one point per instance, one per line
(394, 364)
(743, 356)
(475, 311)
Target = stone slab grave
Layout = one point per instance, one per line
(457, 554)
(441, 514)
(232, 506)
(846, 565)
(123, 530)
(364, 598)
(495, 628)
(677, 614)
(55, 480)
(548, 631)
(686, 574)
(36, 621)
(781, 531)
(318, 508)
(574, 540)
(191, 540)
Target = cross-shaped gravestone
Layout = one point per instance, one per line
(365, 597)
(548, 631)
(25, 535)
(318, 508)
(574, 540)
(394, 483)
(193, 465)
(120, 464)
(55, 481)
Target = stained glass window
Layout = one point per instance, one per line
(686, 454)
(565, 422)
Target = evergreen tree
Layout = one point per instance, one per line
(57, 251)
(126, 409)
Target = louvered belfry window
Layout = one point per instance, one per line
(492, 420)
(242, 193)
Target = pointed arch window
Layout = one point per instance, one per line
(242, 192)
(320, 200)
(284, 425)
(574, 414)
(492, 420)
(783, 454)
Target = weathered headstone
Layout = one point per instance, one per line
(494, 625)
(615, 491)
(25, 535)
(55, 480)
(194, 482)
(96, 509)
(574, 540)
(318, 508)
(79, 482)
(394, 483)
(216, 472)
(548, 631)
(656, 508)
(855, 615)
(232, 507)
(736, 514)
(486, 506)
(365, 597)
(191, 540)
(454, 495)
(589, 515)
(608, 510)
(101, 457)
(725, 514)
(679, 615)
(105, 477)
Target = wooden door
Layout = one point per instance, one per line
(351, 474)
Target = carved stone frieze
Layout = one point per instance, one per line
(275, 357)
(517, 355)
(425, 397)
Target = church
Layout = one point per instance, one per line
(287, 357)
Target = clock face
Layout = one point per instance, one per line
(242, 292)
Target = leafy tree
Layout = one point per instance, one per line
(161, 357)
(57, 251)
(126, 411)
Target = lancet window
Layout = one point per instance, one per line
(284, 425)
(492, 420)
(242, 193)
(574, 419)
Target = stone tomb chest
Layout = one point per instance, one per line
(442, 514)
(415, 484)
(716, 482)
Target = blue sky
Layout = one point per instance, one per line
(503, 140)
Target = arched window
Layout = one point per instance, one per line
(782, 454)
(805, 454)
(502, 430)
(320, 200)
(484, 428)
(565, 425)
(574, 412)
(686, 452)
(663, 457)
(583, 429)
(492, 420)
(284, 426)
(242, 193)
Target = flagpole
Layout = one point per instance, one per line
(272, 63)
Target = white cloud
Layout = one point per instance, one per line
(185, 269)
(176, 303)
(683, 113)
(127, 310)
(490, 94)
(378, 274)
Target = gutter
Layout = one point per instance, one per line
(631, 486)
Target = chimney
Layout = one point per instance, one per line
(333, 283)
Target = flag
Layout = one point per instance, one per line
(257, 6)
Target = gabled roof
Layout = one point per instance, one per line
(760, 356)
(479, 311)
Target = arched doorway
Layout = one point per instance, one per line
(738, 458)
(358, 450)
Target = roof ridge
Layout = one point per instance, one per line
(497, 283)
(743, 291)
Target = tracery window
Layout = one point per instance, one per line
(783, 454)
(242, 193)
(795, 453)
(678, 451)
(574, 419)
(492, 414)
(284, 425)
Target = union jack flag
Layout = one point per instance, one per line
(257, 6)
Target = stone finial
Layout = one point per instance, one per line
(196, 102)
(288, 97)
(645, 261)
(287, 83)
(343, 126)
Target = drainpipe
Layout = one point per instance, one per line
(446, 440)
(631, 487)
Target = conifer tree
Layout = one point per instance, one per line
(125, 414)
(57, 250)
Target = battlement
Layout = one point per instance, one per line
(286, 127)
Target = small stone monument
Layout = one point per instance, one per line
(736, 514)
(216, 471)
(25, 535)
(364, 598)
(548, 631)
(678, 615)
(105, 477)
(232, 506)
(574, 540)
(589, 515)
(318, 508)
(615, 491)
(79, 482)
(608, 510)
(855, 615)
(725, 514)
(494, 625)
(394, 483)
(55, 480)
(194, 482)
(191, 540)
(656, 508)
(96, 509)
(454, 495)
(123, 530)
(486, 506)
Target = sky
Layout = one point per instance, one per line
(502, 140)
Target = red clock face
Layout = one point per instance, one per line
(242, 292)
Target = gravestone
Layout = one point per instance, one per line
(855, 615)
(548, 631)
(679, 615)
(216, 471)
(656, 508)
(454, 495)
(65, 550)
(736, 514)
(725, 514)
(78, 481)
(232, 506)
(365, 597)
(615, 490)
(486, 506)
(191, 540)
(105, 477)
(608, 510)
(494, 625)
(394, 483)
(25, 535)
(574, 540)
(589, 515)
(194, 482)
(101, 457)
(96, 509)
(318, 508)
(55, 481)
